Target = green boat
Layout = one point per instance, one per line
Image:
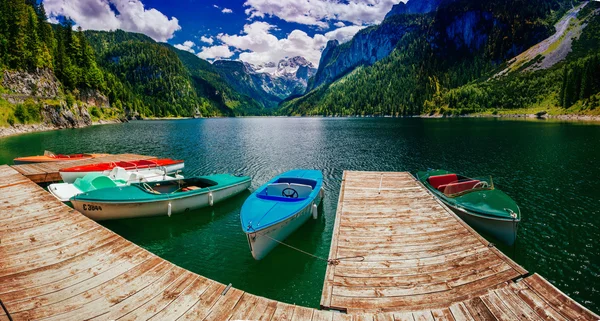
(476, 201)
(159, 198)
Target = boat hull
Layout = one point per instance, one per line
(501, 229)
(100, 211)
(47, 159)
(263, 241)
(70, 177)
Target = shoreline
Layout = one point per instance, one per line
(566, 117)
(20, 129)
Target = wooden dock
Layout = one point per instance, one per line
(56, 264)
(48, 172)
(416, 258)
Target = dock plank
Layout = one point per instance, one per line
(562, 303)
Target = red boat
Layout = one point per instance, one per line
(51, 157)
(69, 175)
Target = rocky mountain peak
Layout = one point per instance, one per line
(287, 67)
(416, 7)
(270, 82)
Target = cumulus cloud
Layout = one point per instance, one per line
(343, 34)
(215, 52)
(259, 45)
(187, 46)
(129, 15)
(227, 10)
(320, 12)
(208, 40)
(339, 24)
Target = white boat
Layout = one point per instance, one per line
(116, 177)
(280, 207)
(159, 198)
(170, 166)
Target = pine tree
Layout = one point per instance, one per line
(32, 45)
(563, 88)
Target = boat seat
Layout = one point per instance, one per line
(135, 178)
(436, 181)
(303, 190)
(276, 189)
(119, 174)
(458, 187)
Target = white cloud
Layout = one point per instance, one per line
(343, 34)
(339, 24)
(187, 46)
(215, 52)
(214, 5)
(260, 46)
(208, 40)
(98, 15)
(320, 12)
(227, 10)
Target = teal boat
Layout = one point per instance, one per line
(159, 198)
(476, 201)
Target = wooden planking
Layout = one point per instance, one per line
(422, 262)
(58, 265)
(392, 221)
(48, 172)
(566, 306)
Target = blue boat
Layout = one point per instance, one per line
(276, 209)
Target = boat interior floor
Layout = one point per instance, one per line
(181, 185)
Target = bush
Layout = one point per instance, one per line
(70, 99)
(28, 112)
(11, 120)
(95, 112)
(21, 114)
(33, 110)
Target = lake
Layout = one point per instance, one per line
(551, 169)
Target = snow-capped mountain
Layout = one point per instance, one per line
(285, 67)
(269, 83)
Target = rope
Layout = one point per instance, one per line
(6, 311)
(335, 261)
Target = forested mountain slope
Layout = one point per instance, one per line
(463, 42)
(53, 67)
(166, 81)
(564, 78)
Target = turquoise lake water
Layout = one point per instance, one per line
(551, 169)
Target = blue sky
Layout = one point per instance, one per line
(255, 31)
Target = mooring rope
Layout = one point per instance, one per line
(6, 311)
(335, 261)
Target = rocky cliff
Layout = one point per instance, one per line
(42, 89)
(416, 7)
(39, 83)
(454, 29)
(367, 47)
